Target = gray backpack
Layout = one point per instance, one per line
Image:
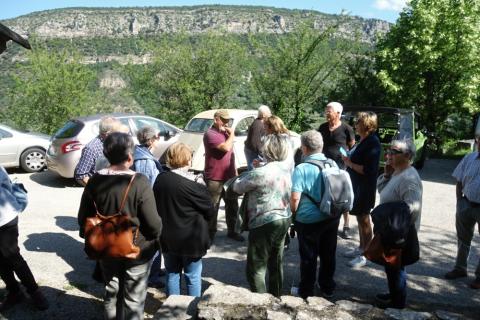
(337, 196)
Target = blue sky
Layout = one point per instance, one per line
(380, 9)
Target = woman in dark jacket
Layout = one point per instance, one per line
(185, 207)
(125, 279)
(362, 166)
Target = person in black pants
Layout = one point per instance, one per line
(317, 231)
(11, 261)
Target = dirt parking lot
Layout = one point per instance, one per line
(51, 245)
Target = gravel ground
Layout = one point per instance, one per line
(50, 243)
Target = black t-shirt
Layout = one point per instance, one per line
(333, 140)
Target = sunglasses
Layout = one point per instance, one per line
(393, 151)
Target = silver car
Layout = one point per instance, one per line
(22, 149)
(67, 144)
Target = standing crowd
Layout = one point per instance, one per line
(172, 212)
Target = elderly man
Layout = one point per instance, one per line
(317, 231)
(256, 131)
(337, 135)
(219, 167)
(467, 174)
(93, 150)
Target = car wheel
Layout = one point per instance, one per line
(33, 160)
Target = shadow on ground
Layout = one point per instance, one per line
(53, 180)
(63, 305)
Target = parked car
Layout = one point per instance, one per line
(67, 143)
(22, 149)
(240, 121)
(395, 123)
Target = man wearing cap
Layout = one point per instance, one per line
(219, 167)
(467, 174)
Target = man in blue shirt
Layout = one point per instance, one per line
(317, 231)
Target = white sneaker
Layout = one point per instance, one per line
(358, 262)
(294, 291)
(353, 253)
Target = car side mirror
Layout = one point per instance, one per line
(169, 134)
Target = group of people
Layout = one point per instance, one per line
(174, 212)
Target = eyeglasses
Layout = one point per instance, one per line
(393, 151)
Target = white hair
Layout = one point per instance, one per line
(336, 106)
(406, 146)
(264, 111)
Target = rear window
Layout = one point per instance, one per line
(69, 130)
(199, 125)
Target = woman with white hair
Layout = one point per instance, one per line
(268, 188)
(400, 182)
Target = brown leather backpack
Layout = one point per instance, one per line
(111, 236)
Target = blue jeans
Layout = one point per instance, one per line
(192, 268)
(250, 156)
(397, 284)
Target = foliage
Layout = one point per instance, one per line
(296, 73)
(51, 88)
(189, 75)
(429, 59)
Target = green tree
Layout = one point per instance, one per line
(429, 59)
(189, 75)
(297, 71)
(50, 88)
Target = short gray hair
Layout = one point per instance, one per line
(336, 106)
(406, 146)
(276, 147)
(312, 140)
(107, 125)
(264, 111)
(145, 134)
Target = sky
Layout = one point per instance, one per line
(380, 9)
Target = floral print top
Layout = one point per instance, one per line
(268, 189)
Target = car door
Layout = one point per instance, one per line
(8, 148)
(241, 132)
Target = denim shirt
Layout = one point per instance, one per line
(145, 163)
(9, 208)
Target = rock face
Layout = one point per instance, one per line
(126, 22)
(228, 302)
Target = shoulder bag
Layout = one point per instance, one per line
(111, 236)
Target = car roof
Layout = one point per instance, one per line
(234, 113)
(101, 115)
(378, 109)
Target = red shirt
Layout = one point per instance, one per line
(219, 165)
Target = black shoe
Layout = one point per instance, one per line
(345, 234)
(455, 274)
(236, 236)
(11, 300)
(383, 298)
(327, 294)
(39, 300)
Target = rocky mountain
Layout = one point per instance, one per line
(128, 22)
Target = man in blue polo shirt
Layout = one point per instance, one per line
(317, 231)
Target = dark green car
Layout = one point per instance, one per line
(394, 123)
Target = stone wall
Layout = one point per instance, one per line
(231, 303)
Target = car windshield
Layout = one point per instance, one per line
(199, 125)
(70, 129)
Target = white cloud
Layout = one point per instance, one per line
(393, 5)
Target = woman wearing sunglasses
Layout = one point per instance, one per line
(400, 182)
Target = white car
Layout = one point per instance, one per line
(23, 149)
(240, 121)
